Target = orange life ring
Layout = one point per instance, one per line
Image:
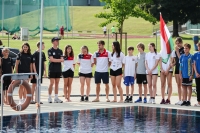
(13, 105)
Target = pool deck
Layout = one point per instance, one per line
(77, 105)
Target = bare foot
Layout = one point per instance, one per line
(113, 101)
(96, 100)
(107, 100)
(69, 100)
(121, 101)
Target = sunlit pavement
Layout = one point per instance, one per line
(77, 105)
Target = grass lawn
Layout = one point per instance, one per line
(84, 22)
(91, 43)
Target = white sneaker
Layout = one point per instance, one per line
(153, 101)
(21, 101)
(150, 101)
(49, 100)
(57, 100)
(179, 103)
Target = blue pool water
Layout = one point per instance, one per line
(122, 120)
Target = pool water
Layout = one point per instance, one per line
(122, 120)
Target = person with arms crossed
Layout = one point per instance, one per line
(116, 70)
(36, 58)
(102, 62)
(179, 50)
(85, 62)
(68, 71)
(186, 74)
(151, 63)
(55, 56)
(141, 73)
(129, 65)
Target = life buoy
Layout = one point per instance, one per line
(13, 105)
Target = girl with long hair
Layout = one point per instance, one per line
(85, 62)
(116, 70)
(151, 63)
(68, 71)
(24, 65)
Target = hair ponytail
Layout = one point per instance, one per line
(155, 50)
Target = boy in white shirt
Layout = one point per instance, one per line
(129, 65)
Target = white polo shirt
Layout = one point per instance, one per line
(151, 59)
(102, 60)
(129, 68)
(68, 63)
(116, 62)
(166, 66)
(85, 61)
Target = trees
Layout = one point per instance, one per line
(178, 11)
(120, 10)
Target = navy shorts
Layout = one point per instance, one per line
(129, 80)
(104, 76)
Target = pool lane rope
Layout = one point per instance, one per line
(13, 105)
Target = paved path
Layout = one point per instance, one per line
(76, 105)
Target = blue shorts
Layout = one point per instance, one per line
(128, 80)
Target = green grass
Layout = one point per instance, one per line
(91, 43)
(83, 20)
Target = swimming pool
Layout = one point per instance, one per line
(125, 119)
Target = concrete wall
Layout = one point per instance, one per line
(86, 3)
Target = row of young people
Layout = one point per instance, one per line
(146, 65)
(142, 67)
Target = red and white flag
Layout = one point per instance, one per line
(167, 45)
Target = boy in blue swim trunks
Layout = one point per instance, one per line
(129, 65)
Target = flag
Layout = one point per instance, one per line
(167, 45)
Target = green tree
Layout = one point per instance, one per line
(120, 10)
(178, 11)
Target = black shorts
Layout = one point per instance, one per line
(68, 74)
(176, 70)
(104, 32)
(104, 76)
(6, 84)
(118, 72)
(186, 82)
(141, 78)
(34, 80)
(88, 75)
(54, 75)
(169, 72)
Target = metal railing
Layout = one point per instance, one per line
(20, 76)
